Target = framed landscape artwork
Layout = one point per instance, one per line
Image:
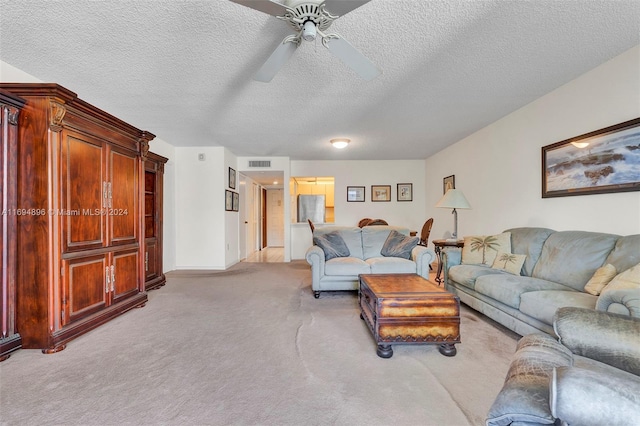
(355, 193)
(603, 161)
(405, 192)
(380, 192)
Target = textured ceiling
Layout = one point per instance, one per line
(182, 69)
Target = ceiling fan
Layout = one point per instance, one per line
(311, 18)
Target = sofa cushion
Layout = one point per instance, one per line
(467, 274)
(346, 266)
(391, 265)
(572, 257)
(542, 305)
(613, 398)
(626, 253)
(524, 398)
(332, 244)
(629, 279)
(352, 236)
(600, 279)
(398, 245)
(529, 241)
(482, 249)
(373, 238)
(509, 262)
(507, 288)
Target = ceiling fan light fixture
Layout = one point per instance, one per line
(340, 143)
(309, 31)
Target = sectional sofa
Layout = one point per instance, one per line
(556, 268)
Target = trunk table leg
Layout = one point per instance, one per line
(384, 351)
(448, 349)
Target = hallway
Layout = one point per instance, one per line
(267, 255)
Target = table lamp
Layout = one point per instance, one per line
(454, 199)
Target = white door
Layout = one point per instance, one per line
(275, 218)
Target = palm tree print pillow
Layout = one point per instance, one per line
(509, 262)
(482, 249)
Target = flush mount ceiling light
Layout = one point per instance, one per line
(340, 143)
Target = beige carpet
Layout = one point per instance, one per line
(251, 346)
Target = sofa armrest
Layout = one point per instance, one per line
(449, 258)
(580, 396)
(625, 301)
(524, 397)
(605, 337)
(423, 257)
(315, 258)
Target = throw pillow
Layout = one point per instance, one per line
(509, 262)
(482, 249)
(332, 244)
(628, 279)
(600, 279)
(398, 245)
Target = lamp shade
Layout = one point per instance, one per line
(453, 199)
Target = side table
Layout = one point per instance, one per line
(438, 246)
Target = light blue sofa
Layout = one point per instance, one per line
(555, 271)
(365, 245)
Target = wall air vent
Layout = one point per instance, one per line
(260, 163)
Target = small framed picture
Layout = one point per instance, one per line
(355, 193)
(448, 183)
(228, 200)
(236, 202)
(405, 192)
(232, 178)
(380, 192)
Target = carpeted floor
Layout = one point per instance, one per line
(251, 346)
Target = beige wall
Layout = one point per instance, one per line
(499, 167)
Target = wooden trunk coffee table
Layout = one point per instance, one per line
(408, 309)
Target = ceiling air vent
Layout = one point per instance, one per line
(260, 163)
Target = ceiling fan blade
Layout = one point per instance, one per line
(342, 7)
(266, 6)
(353, 58)
(278, 58)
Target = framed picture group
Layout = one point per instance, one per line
(231, 198)
(231, 201)
(380, 193)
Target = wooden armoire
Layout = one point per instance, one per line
(10, 106)
(153, 181)
(80, 226)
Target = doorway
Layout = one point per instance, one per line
(262, 215)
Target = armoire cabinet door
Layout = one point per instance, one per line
(150, 260)
(125, 278)
(123, 209)
(85, 289)
(82, 193)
